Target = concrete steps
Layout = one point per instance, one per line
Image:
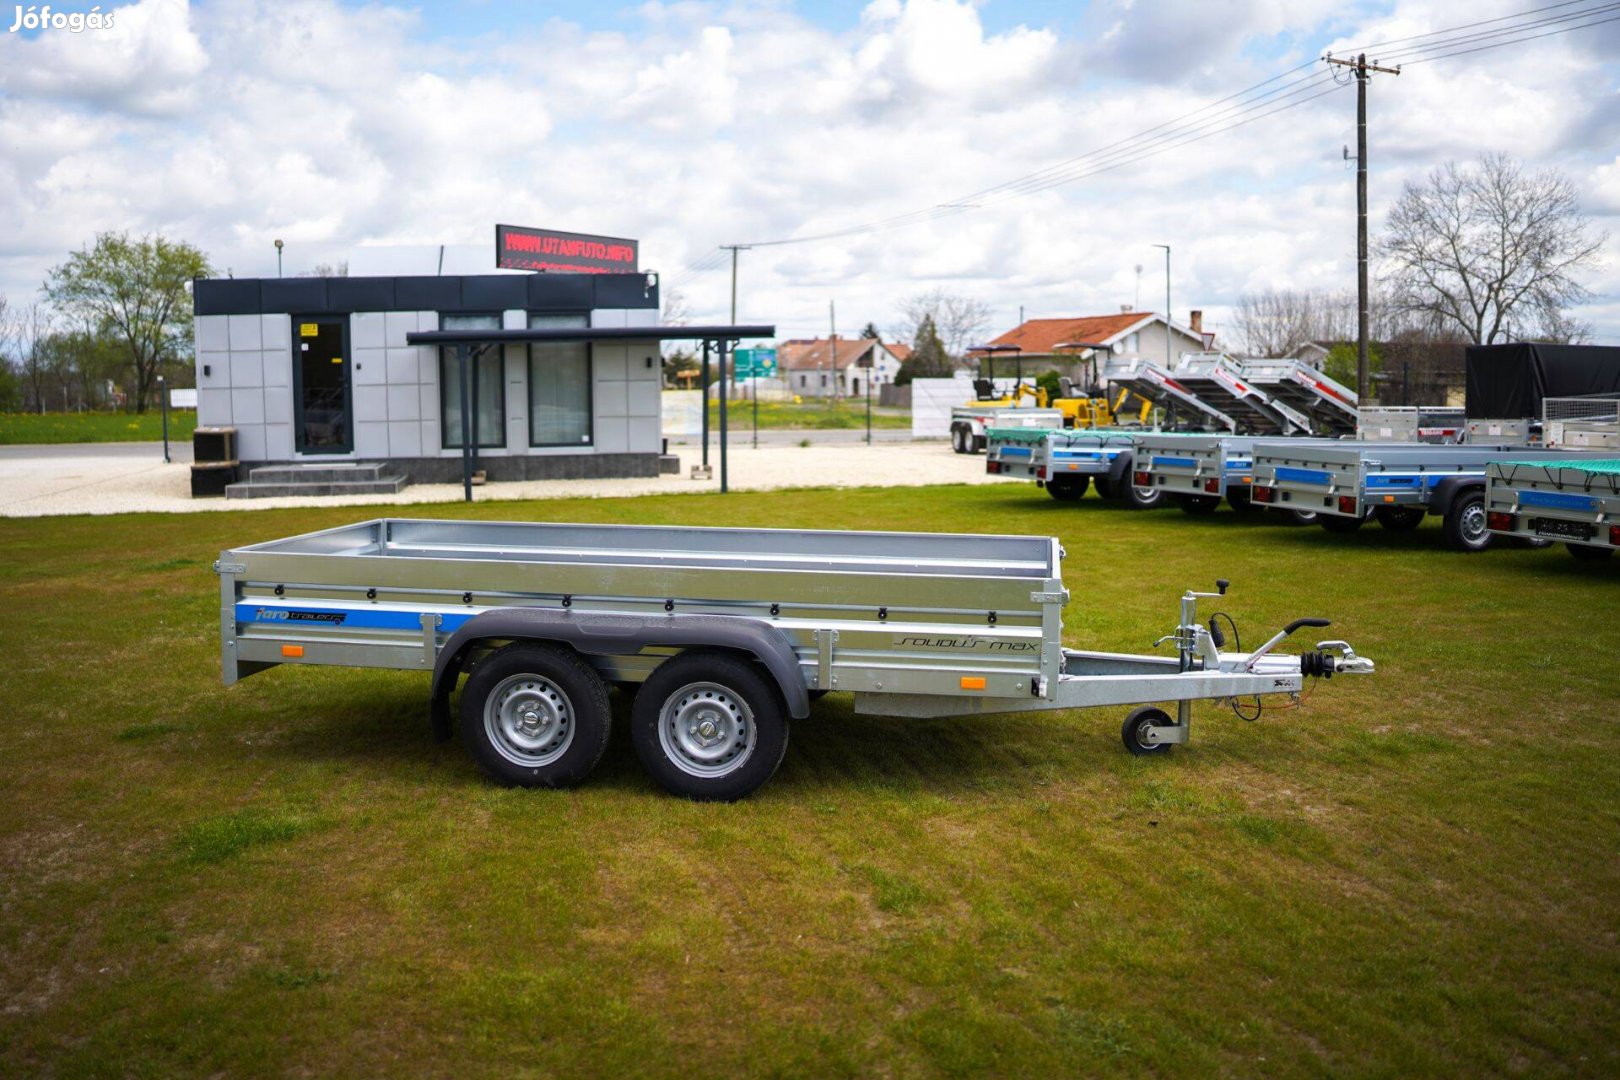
(334, 478)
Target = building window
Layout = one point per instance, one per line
(488, 377)
(559, 385)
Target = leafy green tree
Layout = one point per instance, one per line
(1340, 363)
(928, 359)
(1051, 382)
(871, 332)
(136, 291)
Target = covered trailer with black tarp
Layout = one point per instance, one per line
(1509, 381)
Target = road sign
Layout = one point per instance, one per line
(754, 363)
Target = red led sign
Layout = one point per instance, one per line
(518, 248)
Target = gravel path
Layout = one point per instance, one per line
(78, 481)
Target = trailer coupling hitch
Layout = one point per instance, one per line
(1326, 664)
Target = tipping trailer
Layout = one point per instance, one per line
(1216, 379)
(1330, 405)
(1573, 501)
(1180, 405)
(723, 635)
(1398, 483)
(970, 424)
(1195, 471)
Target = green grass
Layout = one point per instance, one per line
(811, 415)
(95, 427)
(1415, 874)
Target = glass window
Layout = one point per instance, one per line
(488, 382)
(559, 385)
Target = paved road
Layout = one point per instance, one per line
(179, 452)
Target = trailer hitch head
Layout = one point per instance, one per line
(1347, 662)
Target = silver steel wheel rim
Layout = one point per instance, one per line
(529, 720)
(706, 730)
(1473, 524)
(1146, 495)
(1305, 517)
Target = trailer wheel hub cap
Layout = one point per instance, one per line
(529, 720)
(706, 729)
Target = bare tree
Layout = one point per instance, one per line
(338, 269)
(30, 334)
(1490, 250)
(959, 320)
(676, 308)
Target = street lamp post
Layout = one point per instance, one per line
(278, 258)
(1167, 364)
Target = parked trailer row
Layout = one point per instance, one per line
(1397, 483)
(723, 635)
(1575, 501)
(1197, 471)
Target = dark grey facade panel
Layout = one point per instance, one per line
(562, 292)
(494, 293)
(427, 293)
(477, 292)
(624, 291)
(293, 295)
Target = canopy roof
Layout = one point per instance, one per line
(588, 333)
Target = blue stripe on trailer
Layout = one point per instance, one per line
(363, 618)
(1304, 476)
(1014, 451)
(1557, 500)
(1377, 481)
(1185, 462)
(1085, 455)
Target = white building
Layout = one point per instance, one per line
(319, 369)
(836, 367)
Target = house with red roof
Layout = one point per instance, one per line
(1070, 341)
(837, 367)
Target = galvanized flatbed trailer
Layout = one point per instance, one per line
(724, 634)
(1576, 502)
(970, 424)
(1398, 483)
(1196, 471)
(1068, 462)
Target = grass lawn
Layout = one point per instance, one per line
(812, 415)
(94, 427)
(1416, 874)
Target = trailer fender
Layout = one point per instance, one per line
(1446, 492)
(605, 635)
(1119, 471)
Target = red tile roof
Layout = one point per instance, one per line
(1038, 336)
(800, 354)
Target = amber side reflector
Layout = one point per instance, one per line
(1389, 498)
(292, 650)
(973, 682)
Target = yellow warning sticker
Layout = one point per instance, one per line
(308, 329)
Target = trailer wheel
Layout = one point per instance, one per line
(535, 716)
(1136, 721)
(1399, 518)
(1238, 499)
(1301, 517)
(1104, 488)
(1067, 488)
(709, 726)
(1141, 498)
(1335, 523)
(1466, 524)
(1589, 553)
(979, 442)
(1198, 505)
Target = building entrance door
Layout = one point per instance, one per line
(322, 393)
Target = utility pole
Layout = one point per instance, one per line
(1168, 365)
(1360, 68)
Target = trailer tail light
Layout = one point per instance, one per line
(973, 682)
(1614, 535)
(1143, 479)
(1347, 505)
(1040, 473)
(1213, 486)
(1499, 521)
(1262, 493)
(992, 467)
(292, 650)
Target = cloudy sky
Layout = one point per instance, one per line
(345, 126)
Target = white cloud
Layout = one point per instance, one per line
(693, 124)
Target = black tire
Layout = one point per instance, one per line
(1238, 499)
(1067, 488)
(1399, 518)
(1301, 517)
(1104, 488)
(535, 716)
(1588, 553)
(1198, 505)
(749, 718)
(959, 440)
(1138, 718)
(1137, 498)
(1333, 523)
(1465, 524)
(979, 442)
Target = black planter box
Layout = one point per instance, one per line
(208, 478)
(214, 444)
